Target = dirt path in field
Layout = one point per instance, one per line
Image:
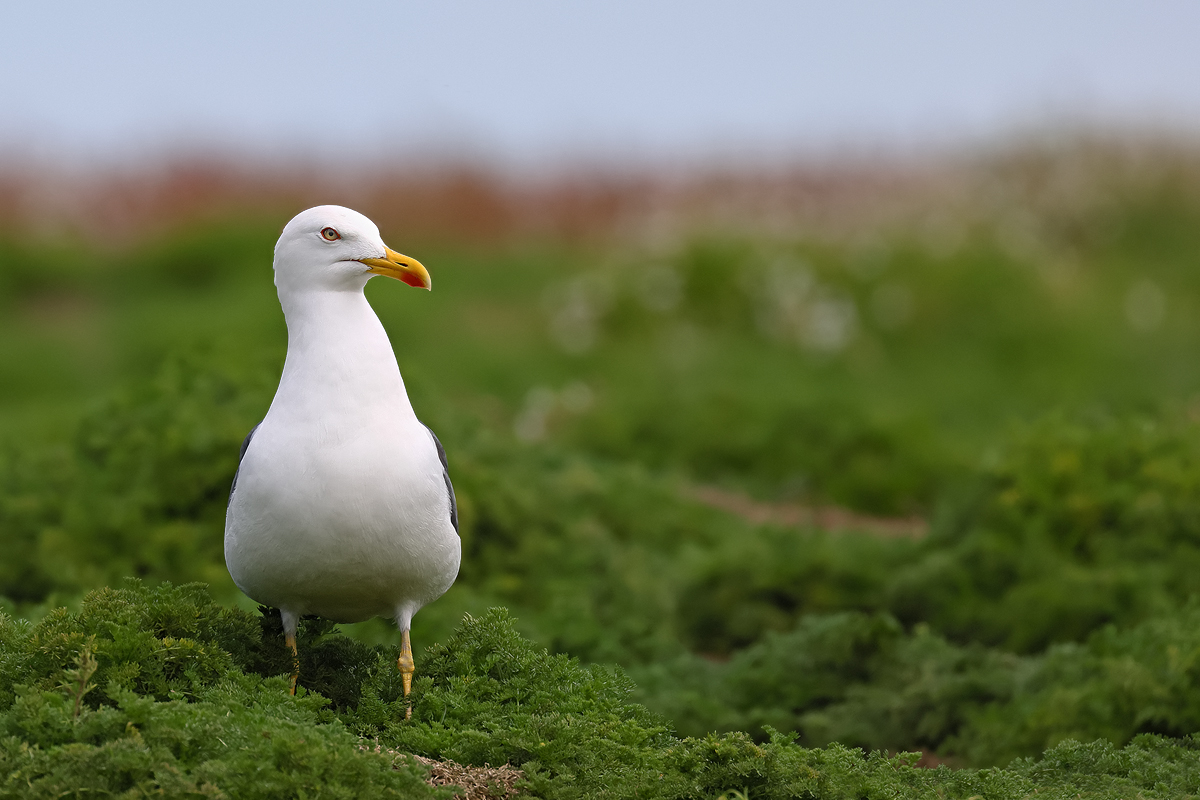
(798, 515)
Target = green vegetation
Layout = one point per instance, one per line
(1025, 378)
(159, 691)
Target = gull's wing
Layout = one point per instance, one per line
(246, 446)
(441, 451)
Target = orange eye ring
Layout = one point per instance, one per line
(330, 235)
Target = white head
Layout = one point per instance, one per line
(331, 248)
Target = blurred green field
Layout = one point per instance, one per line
(1016, 365)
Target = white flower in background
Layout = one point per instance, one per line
(1145, 306)
(783, 298)
(531, 423)
(830, 324)
(794, 306)
(575, 310)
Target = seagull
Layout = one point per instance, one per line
(342, 504)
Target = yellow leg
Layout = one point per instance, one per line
(291, 643)
(407, 668)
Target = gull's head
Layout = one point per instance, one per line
(331, 248)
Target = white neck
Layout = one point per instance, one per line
(339, 358)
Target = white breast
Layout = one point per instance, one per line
(341, 507)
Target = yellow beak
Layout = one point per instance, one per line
(400, 267)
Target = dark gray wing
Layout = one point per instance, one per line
(241, 455)
(446, 477)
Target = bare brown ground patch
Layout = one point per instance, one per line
(798, 515)
(473, 783)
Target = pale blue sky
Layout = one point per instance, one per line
(529, 81)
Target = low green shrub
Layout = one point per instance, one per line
(159, 691)
(860, 680)
(139, 489)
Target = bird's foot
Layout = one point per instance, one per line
(291, 643)
(407, 668)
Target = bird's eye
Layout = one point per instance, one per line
(330, 235)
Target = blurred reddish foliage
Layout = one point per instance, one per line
(464, 204)
(472, 205)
